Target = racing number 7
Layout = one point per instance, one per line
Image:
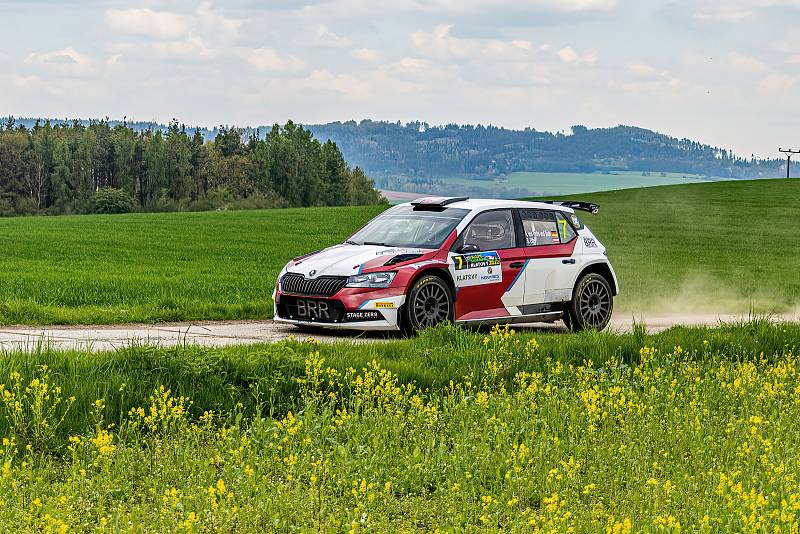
(563, 223)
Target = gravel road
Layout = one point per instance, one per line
(218, 334)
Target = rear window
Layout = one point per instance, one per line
(545, 227)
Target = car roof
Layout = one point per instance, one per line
(488, 203)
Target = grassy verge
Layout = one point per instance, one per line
(690, 428)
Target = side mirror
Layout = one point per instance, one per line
(468, 248)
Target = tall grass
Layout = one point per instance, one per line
(691, 429)
(220, 378)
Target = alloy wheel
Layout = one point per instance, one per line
(595, 304)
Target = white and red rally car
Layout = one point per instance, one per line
(455, 259)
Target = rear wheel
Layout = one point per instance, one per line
(592, 304)
(429, 303)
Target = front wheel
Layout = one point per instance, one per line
(429, 303)
(592, 303)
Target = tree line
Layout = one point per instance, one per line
(99, 167)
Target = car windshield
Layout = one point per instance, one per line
(402, 226)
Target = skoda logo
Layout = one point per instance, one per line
(312, 272)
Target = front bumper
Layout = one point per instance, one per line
(379, 308)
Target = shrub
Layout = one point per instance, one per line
(111, 200)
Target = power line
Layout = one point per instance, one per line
(789, 152)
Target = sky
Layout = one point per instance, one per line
(723, 73)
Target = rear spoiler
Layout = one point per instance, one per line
(575, 204)
(435, 203)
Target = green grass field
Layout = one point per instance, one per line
(157, 266)
(568, 183)
(714, 247)
(691, 429)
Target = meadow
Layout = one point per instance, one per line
(152, 267)
(690, 429)
(711, 247)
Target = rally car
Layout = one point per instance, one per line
(461, 260)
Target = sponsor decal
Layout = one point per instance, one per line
(589, 242)
(477, 269)
(396, 251)
(476, 260)
(384, 304)
(365, 315)
(540, 237)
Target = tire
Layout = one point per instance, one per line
(429, 302)
(592, 304)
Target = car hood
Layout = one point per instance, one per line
(347, 260)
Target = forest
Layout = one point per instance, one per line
(104, 167)
(421, 151)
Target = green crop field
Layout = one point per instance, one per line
(568, 183)
(716, 247)
(691, 429)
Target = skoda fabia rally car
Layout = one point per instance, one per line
(455, 259)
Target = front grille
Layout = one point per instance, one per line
(324, 286)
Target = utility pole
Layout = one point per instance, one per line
(788, 152)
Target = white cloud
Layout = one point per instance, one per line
(145, 21)
(346, 84)
(569, 55)
(743, 63)
(168, 25)
(792, 60)
(367, 55)
(723, 13)
(192, 48)
(441, 44)
(326, 38)
(775, 83)
(67, 56)
(738, 10)
(567, 6)
(67, 63)
(642, 70)
(269, 59)
(213, 22)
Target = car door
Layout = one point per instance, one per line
(486, 263)
(550, 241)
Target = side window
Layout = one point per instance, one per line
(491, 230)
(540, 227)
(565, 230)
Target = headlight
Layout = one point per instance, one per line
(371, 279)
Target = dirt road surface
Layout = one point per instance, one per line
(218, 334)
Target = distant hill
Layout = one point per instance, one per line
(418, 149)
(420, 152)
